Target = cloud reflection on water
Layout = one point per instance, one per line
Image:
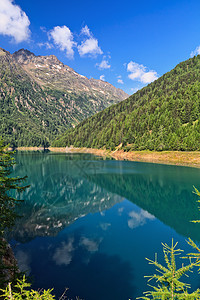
(139, 219)
(23, 261)
(63, 254)
(89, 244)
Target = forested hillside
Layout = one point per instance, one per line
(23, 104)
(165, 115)
(40, 98)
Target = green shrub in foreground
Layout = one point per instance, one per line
(24, 292)
(168, 278)
(169, 286)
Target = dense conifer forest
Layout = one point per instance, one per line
(165, 115)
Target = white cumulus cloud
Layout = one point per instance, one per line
(43, 28)
(90, 44)
(134, 90)
(141, 73)
(195, 52)
(86, 31)
(14, 21)
(102, 77)
(120, 80)
(47, 45)
(63, 39)
(103, 65)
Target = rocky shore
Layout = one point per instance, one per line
(8, 263)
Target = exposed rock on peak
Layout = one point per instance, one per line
(45, 97)
(48, 71)
(3, 52)
(23, 55)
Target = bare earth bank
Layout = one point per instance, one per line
(165, 157)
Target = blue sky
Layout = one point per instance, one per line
(127, 43)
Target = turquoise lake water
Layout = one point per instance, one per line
(87, 223)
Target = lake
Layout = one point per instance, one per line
(87, 223)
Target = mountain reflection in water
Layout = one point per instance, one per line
(59, 194)
(88, 223)
(65, 187)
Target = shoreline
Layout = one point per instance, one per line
(179, 158)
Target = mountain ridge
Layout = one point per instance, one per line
(31, 62)
(165, 115)
(40, 97)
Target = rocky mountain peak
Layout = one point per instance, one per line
(53, 58)
(49, 71)
(47, 96)
(23, 55)
(3, 52)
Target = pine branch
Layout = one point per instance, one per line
(169, 285)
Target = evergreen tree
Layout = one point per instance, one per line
(168, 278)
(22, 291)
(7, 206)
(7, 185)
